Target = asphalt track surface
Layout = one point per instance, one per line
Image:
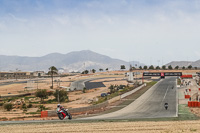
(80, 84)
(150, 104)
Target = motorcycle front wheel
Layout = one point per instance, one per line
(60, 116)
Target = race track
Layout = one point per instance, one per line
(150, 104)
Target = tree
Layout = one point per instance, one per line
(195, 68)
(163, 67)
(177, 67)
(84, 90)
(100, 69)
(145, 67)
(85, 72)
(106, 69)
(157, 67)
(52, 71)
(140, 67)
(123, 67)
(183, 67)
(151, 67)
(170, 67)
(61, 95)
(93, 70)
(189, 67)
(112, 88)
(8, 106)
(133, 68)
(42, 94)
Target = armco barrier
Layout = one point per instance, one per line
(44, 114)
(189, 89)
(52, 113)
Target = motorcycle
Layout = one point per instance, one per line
(166, 106)
(63, 113)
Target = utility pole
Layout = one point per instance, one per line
(37, 82)
(58, 97)
(136, 72)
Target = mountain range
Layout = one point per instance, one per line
(184, 63)
(73, 61)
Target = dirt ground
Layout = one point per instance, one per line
(106, 127)
(77, 98)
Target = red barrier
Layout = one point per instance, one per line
(44, 114)
(189, 104)
(195, 103)
(187, 96)
(186, 76)
(199, 88)
(189, 89)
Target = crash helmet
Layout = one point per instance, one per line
(58, 105)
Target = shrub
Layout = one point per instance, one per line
(84, 90)
(30, 106)
(1, 104)
(24, 107)
(42, 94)
(50, 93)
(60, 95)
(8, 106)
(41, 107)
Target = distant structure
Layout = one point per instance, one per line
(130, 74)
(30, 85)
(21, 75)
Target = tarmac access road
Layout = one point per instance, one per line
(150, 104)
(80, 84)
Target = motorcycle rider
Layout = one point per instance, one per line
(166, 106)
(62, 108)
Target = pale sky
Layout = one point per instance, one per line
(151, 31)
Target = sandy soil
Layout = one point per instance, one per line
(79, 99)
(107, 127)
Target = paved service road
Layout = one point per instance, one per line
(80, 84)
(150, 104)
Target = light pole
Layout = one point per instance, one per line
(136, 72)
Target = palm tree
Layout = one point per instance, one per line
(52, 71)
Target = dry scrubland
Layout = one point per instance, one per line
(77, 98)
(107, 127)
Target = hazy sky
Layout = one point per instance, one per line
(146, 30)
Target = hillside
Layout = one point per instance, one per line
(73, 61)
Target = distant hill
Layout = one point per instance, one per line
(73, 61)
(179, 63)
(184, 63)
